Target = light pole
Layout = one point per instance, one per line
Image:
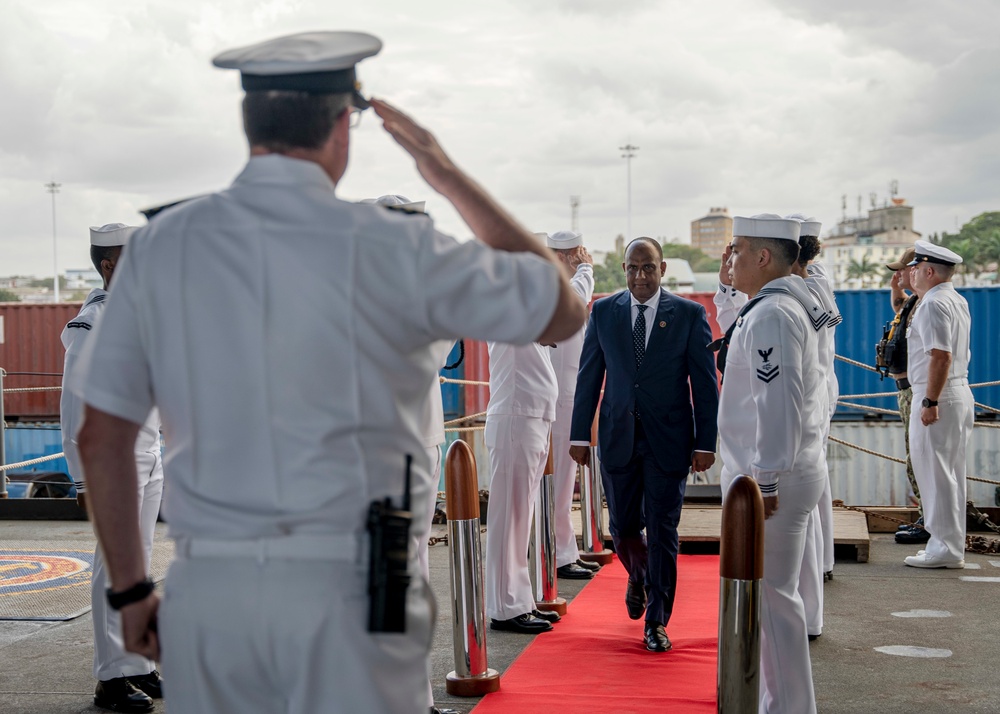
(53, 188)
(629, 153)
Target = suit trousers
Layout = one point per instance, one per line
(110, 658)
(564, 471)
(518, 447)
(258, 635)
(939, 464)
(641, 493)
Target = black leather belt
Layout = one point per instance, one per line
(902, 384)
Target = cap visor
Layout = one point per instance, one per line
(359, 101)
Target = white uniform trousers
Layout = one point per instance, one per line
(826, 500)
(786, 671)
(564, 471)
(265, 634)
(518, 447)
(110, 658)
(423, 517)
(939, 464)
(811, 575)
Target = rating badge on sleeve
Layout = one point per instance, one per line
(767, 372)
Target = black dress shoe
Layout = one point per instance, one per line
(813, 638)
(635, 600)
(656, 638)
(907, 526)
(118, 695)
(913, 535)
(572, 571)
(149, 684)
(828, 575)
(592, 567)
(526, 624)
(439, 710)
(546, 615)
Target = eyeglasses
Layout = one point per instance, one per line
(354, 120)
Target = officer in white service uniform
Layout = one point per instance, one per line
(519, 417)
(938, 356)
(125, 682)
(568, 245)
(771, 415)
(291, 363)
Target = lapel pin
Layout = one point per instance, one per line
(663, 324)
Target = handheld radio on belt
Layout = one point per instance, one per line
(388, 559)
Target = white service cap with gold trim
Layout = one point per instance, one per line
(927, 252)
(564, 240)
(767, 225)
(111, 234)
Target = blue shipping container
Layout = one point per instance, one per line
(453, 395)
(865, 314)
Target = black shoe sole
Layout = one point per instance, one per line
(128, 708)
(586, 575)
(520, 630)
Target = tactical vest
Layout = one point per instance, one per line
(890, 352)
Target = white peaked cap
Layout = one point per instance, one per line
(767, 225)
(928, 252)
(564, 240)
(396, 201)
(808, 226)
(111, 234)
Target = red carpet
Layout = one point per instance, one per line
(594, 659)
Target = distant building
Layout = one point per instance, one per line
(678, 277)
(875, 239)
(712, 233)
(83, 279)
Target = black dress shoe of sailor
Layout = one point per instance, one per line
(546, 615)
(635, 600)
(439, 710)
(656, 638)
(149, 684)
(913, 535)
(526, 624)
(592, 567)
(907, 526)
(118, 695)
(572, 571)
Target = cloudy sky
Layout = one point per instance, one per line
(758, 105)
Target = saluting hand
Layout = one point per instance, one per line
(724, 268)
(139, 627)
(432, 163)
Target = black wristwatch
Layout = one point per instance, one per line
(139, 591)
(928, 403)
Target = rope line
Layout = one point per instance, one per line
(449, 380)
(461, 429)
(862, 365)
(866, 451)
(865, 408)
(17, 390)
(465, 418)
(31, 462)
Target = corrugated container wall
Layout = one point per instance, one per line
(31, 344)
(865, 314)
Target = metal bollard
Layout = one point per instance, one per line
(592, 507)
(546, 581)
(472, 676)
(741, 567)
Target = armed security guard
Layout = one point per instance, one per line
(291, 361)
(125, 682)
(891, 359)
(771, 415)
(939, 355)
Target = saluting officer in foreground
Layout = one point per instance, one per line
(287, 338)
(771, 415)
(126, 682)
(939, 355)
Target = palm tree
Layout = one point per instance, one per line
(866, 271)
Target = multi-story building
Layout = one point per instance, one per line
(856, 251)
(713, 232)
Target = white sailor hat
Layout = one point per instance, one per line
(311, 62)
(928, 252)
(807, 226)
(111, 234)
(767, 225)
(564, 240)
(398, 202)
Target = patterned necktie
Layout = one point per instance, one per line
(639, 335)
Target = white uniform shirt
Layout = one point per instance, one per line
(522, 381)
(566, 356)
(286, 337)
(818, 281)
(941, 321)
(728, 303)
(433, 419)
(771, 411)
(74, 337)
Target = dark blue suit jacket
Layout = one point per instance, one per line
(677, 356)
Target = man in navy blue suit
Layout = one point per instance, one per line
(658, 422)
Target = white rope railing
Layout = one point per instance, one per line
(31, 462)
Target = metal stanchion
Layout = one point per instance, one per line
(3, 440)
(546, 581)
(592, 507)
(472, 676)
(741, 567)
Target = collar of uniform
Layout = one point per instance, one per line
(796, 287)
(280, 169)
(938, 288)
(96, 295)
(652, 303)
